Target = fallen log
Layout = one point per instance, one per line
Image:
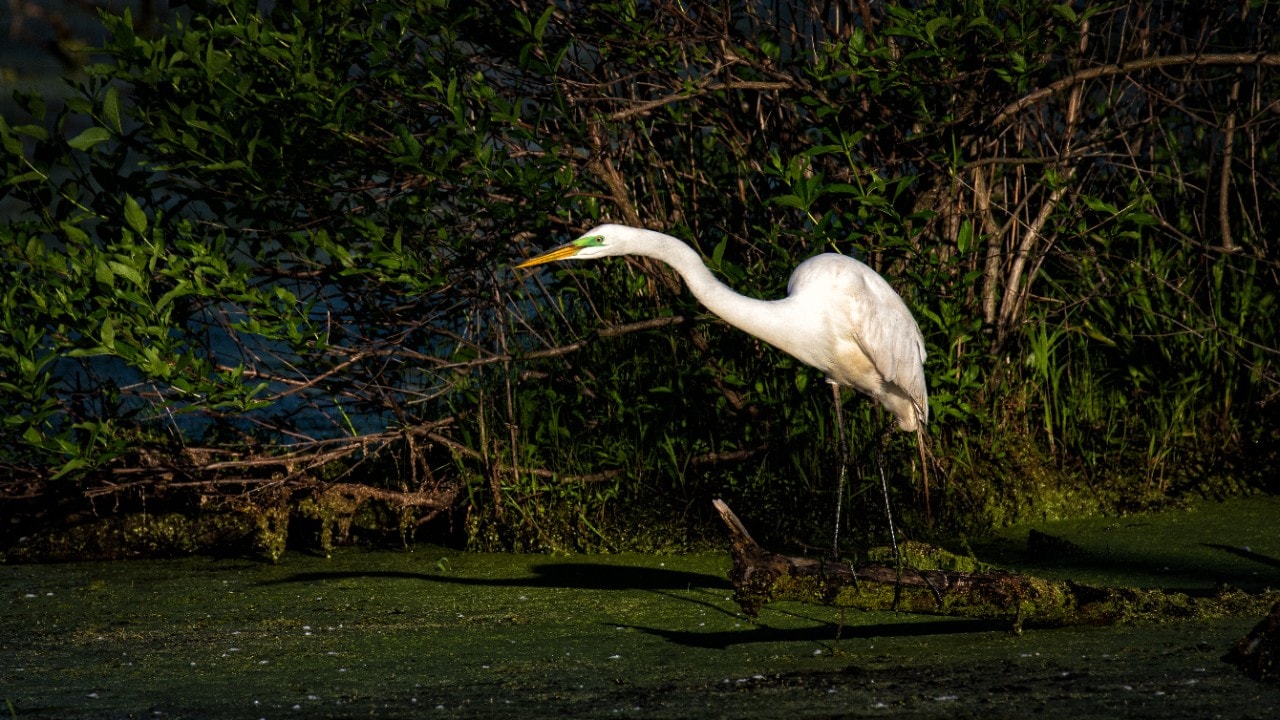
(1258, 653)
(760, 577)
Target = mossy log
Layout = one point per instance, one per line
(760, 577)
(1258, 653)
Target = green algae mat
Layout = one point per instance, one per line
(437, 633)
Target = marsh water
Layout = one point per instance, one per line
(438, 633)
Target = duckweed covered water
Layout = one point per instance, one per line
(437, 633)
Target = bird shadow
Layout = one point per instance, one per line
(1245, 553)
(822, 632)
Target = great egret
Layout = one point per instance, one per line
(839, 317)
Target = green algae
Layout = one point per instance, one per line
(1236, 543)
(447, 634)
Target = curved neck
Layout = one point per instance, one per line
(762, 318)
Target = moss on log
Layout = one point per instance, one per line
(760, 577)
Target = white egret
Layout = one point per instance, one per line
(839, 317)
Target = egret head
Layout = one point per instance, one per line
(601, 241)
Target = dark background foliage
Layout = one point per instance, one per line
(260, 260)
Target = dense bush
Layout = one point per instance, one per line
(264, 257)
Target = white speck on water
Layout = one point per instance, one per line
(93, 695)
(615, 657)
(440, 707)
(313, 698)
(1159, 693)
(524, 597)
(879, 705)
(297, 707)
(30, 595)
(1127, 687)
(263, 662)
(947, 698)
(818, 651)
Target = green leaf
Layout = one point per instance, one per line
(182, 289)
(1066, 12)
(134, 217)
(127, 272)
(541, 26)
(717, 255)
(111, 109)
(71, 466)
(74, 234)
(789, 201)
(25, 177)
(964, 239)
(102, 273)
(90, 137)
(109, 334)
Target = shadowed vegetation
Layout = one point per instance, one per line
(259, 266)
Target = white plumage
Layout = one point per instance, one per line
(839, 316)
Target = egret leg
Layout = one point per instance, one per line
(844, 468)
(884, 485)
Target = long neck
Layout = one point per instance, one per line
(761, 318)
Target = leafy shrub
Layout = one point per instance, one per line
(270, 249)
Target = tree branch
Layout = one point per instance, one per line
(1082, 76)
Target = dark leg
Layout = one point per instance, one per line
(884, 485)
(844, 468)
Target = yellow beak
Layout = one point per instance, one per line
(560, 253)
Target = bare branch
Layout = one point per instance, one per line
(1076, 78)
